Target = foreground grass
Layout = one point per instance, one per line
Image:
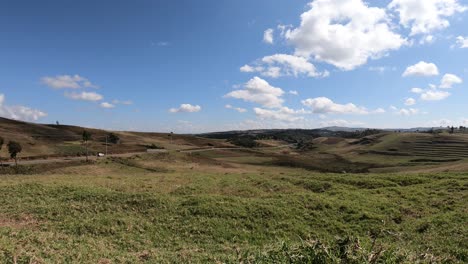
(114, 213)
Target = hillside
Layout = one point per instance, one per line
(364, 197)
(39, 140)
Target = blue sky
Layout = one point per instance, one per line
(210, 65)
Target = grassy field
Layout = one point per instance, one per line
(383, 198)
(174, 208)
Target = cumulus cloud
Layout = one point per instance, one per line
(107, 105)
(293, 92)
(323, 105)
(417, 90)
(186, 108)
(425, 16)
(343, 33)
(268, 36)
(462, 42)
(282, 114)
(19, 112)
(278, 65)
(85, 96)
(421, 68)
(427, 39)
(247, 68)
(434, 95)
(67, 82)
(410, 101)
(449, 80)
(238, 109)
(259, 91)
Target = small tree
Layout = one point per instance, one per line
(1, 145)
(86, 137)
(14, 148)
(113, 138)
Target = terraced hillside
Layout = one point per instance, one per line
(447, 148)
(421, 146)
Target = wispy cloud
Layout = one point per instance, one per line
(67, 82)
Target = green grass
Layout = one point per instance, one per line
(119, 212)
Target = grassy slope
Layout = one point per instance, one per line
(200, 210)
(40, 140)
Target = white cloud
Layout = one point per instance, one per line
(407, 112)
(434, 95)
(462, 42)
(67, 82)
(449, 80)
(278, 65)
(427, 39)
(19, 112)
(379, 111)
(417, 90)
(107, 105)
(323, 105)
(282, 114)
(85, 96)
(259, 91)
(238, 109)
(425, 16)
(273, 72)
(268, 36)
(410, 101)
(186, 108)
(343, 33)
(421, 68)
(293, 92)
(247, 68)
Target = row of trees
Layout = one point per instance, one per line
(13, 148)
